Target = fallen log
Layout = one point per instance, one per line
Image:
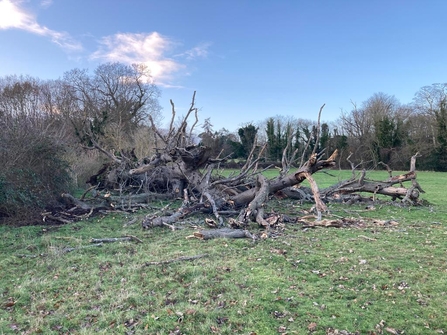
(131, 200)
(223, 233)
(69, 249)
(387, 187)
(157, 221)
(64, 250)
(310, 167)
(71, 200)
(115, 239)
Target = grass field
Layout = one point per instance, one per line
(375, 278)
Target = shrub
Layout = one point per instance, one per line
(33, 174)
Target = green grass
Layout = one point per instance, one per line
(359, 279)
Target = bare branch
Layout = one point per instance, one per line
(318, 129)
(171, 125)
(413, 161)
(194, 124)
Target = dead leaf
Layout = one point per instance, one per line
(10, 303)
(272, 219)
(214, 330)
(312, 326)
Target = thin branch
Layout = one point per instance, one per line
(305, 150)
(156, 132)
(101, 149)
(413, 161)
(194, 124)
(284, 161)
(318, 129)
(116, 239)
(82, 247)
(171, 125)
(215, 209)
(181, 132)
(86, 191)
(250, 155)
(244, 172)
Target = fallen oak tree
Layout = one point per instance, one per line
(181, 169)
(252, 200)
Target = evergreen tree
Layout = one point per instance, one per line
(441, 149)
(247, 135)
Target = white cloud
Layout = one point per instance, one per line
(46, 3)
(147, 48)
(13, 16)
(200, 51)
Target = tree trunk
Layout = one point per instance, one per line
(386, 187)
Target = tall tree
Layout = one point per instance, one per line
(429, 98)
(325, 136)
(247, 135)
(221, 143)
(441, 148)
(427, 101)
(111, 103)
(274, 140)
(427, 124)
(369, 127)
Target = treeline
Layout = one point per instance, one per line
(55, 134)
(379, 131)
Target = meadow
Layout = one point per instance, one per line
(387, 275)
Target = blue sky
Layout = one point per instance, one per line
(247, 59)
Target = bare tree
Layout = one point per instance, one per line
(427, 101)
(370, 127)
(33, 170)
(108, 106)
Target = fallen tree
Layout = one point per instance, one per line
(182, 169)
(343, 191)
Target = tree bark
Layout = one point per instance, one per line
(310, 167)
(255, 209)
(222, 233)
